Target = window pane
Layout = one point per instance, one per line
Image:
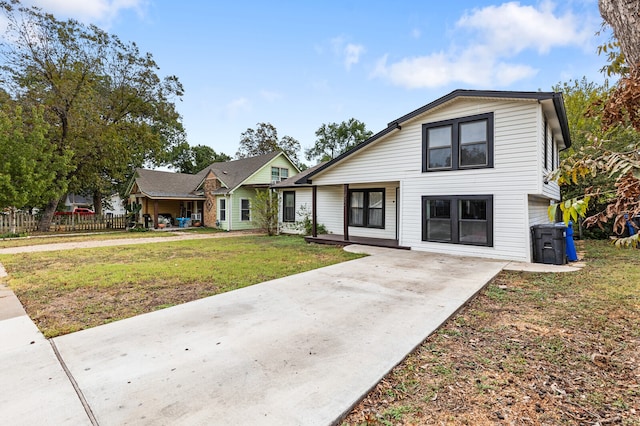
(439, 136)
(357, 199)
(473, 209)
(439, 230)
(357, 216)
(375, 200)
(473, 232)
(440, 209)
(289, 199)
(473, 154)
(275, 173)
(284, 173)
(473, 132)
(439, 158)
(244, 204)
(375, 217)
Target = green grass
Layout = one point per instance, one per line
(70, 290)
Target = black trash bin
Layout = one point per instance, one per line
(549, 245)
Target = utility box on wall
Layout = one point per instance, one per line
(549, 244)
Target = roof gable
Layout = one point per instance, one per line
(553, 98)
(234, 173)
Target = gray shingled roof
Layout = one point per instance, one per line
(233, 173)
(159, 184)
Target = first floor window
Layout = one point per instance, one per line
(288, 206)
(245, 210)
(223, 209)
(459, 219)
(366, 208)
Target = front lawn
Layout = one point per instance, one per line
(66, 291)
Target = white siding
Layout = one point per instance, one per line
(303, 202)
(538, 211)
(330, 208)
(549, 189)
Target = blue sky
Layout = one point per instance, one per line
(299, 64)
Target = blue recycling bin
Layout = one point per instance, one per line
(572, 256)
(182, 222)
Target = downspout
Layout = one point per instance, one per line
(314, 214)
(345, 203)
(230, 218)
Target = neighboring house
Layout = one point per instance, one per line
(221, 195)
(73, 201)
(465, 175)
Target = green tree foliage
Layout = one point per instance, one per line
(333, 139)
(103, 98)
(192, 159)
(263, 140)
(579, 173)
(611, 164)
(29, 165)
(264, 211)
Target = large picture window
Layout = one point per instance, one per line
(245, 210)
(459, 219)
(366, 208)
(289, 206)
(461, 143)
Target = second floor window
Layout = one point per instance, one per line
(279, 174)
(461, 143)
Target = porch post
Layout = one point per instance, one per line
(346, 211)
(314, 206)
(155, 214)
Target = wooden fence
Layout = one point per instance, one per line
(26, 222)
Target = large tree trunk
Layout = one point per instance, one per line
(624, 18)
(47, 215)
(97, 203)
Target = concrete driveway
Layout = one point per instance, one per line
(300, 350)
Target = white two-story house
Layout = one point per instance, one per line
(464, 174)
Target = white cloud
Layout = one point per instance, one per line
(90, 11)
(352, 54)
(497, 34)
(238, 106)
(270, 96)
(511, 28)
(349, 52)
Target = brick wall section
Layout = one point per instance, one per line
(210, 211)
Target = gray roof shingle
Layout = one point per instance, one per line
(160, 184)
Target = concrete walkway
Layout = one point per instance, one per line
(299, 350)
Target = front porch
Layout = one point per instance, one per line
(339, 240)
